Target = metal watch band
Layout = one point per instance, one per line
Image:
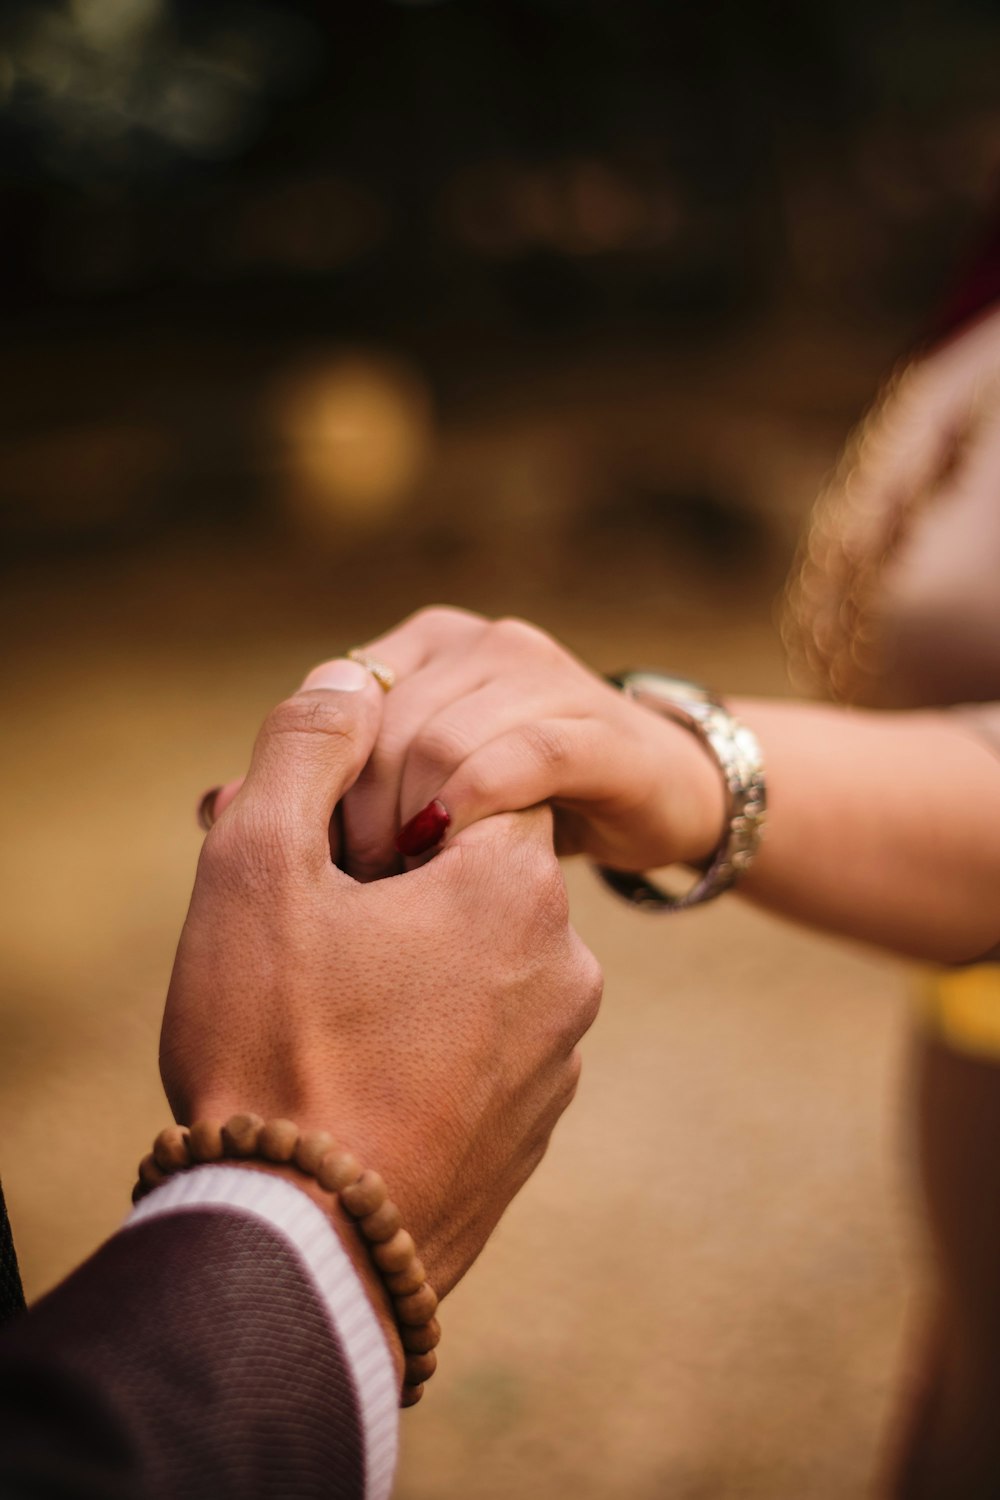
(735, 749)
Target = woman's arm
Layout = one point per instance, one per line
(881, 826)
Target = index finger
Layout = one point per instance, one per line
(410, 645)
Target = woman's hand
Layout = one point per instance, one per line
(494, 716)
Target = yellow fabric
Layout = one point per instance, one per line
(962, 1007)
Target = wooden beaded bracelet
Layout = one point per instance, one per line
(362, 1194)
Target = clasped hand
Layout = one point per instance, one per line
(429, 1021)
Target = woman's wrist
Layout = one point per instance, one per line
(692, 804)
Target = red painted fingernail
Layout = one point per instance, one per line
(425, 830)
(206, 808)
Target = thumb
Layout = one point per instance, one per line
(312, 748)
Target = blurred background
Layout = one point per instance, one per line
(312, 315)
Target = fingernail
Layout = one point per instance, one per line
(340, 676)
(425, 830)
(206, 808)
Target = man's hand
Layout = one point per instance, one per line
(428, 1021)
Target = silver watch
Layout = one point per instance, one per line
(735, 749)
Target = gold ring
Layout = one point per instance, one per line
(383, 675)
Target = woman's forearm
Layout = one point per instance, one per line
(881, 826)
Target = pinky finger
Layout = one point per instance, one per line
(214, 803)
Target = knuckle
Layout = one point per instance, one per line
(565, 1082)
(526, 895)
(219, 850)
(535, 1147)
(479, 782)
(369, 857)
(381, 770)
(247, 852)
(520, 635)
(580, 989)
(310, 714)
(440, 619)
(440, 745)
(545, 890)
(590, 988)
(546, 744)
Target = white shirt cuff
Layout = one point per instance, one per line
(308, 1232)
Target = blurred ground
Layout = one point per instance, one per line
(704, 1291)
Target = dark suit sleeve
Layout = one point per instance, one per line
(11, 1294)
(190, 1357)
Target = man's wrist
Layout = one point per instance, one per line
(209, 1106)
(346, 1231)
(212, 1191)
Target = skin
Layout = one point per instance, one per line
(429, 1022)
(488, 716)
(495, 715)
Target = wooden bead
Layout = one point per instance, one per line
(171, 1149)
(395, 1254)
(240, 1134)
(411, 1279)
(205, 1141)
(363, 1197)
(417, 1307)
(362, 1194)
(382, 1224)
(423, 1338)
(278, 1140)
(150, 1173)
(419, 1367)
(311, 1149)
(338, 1170)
